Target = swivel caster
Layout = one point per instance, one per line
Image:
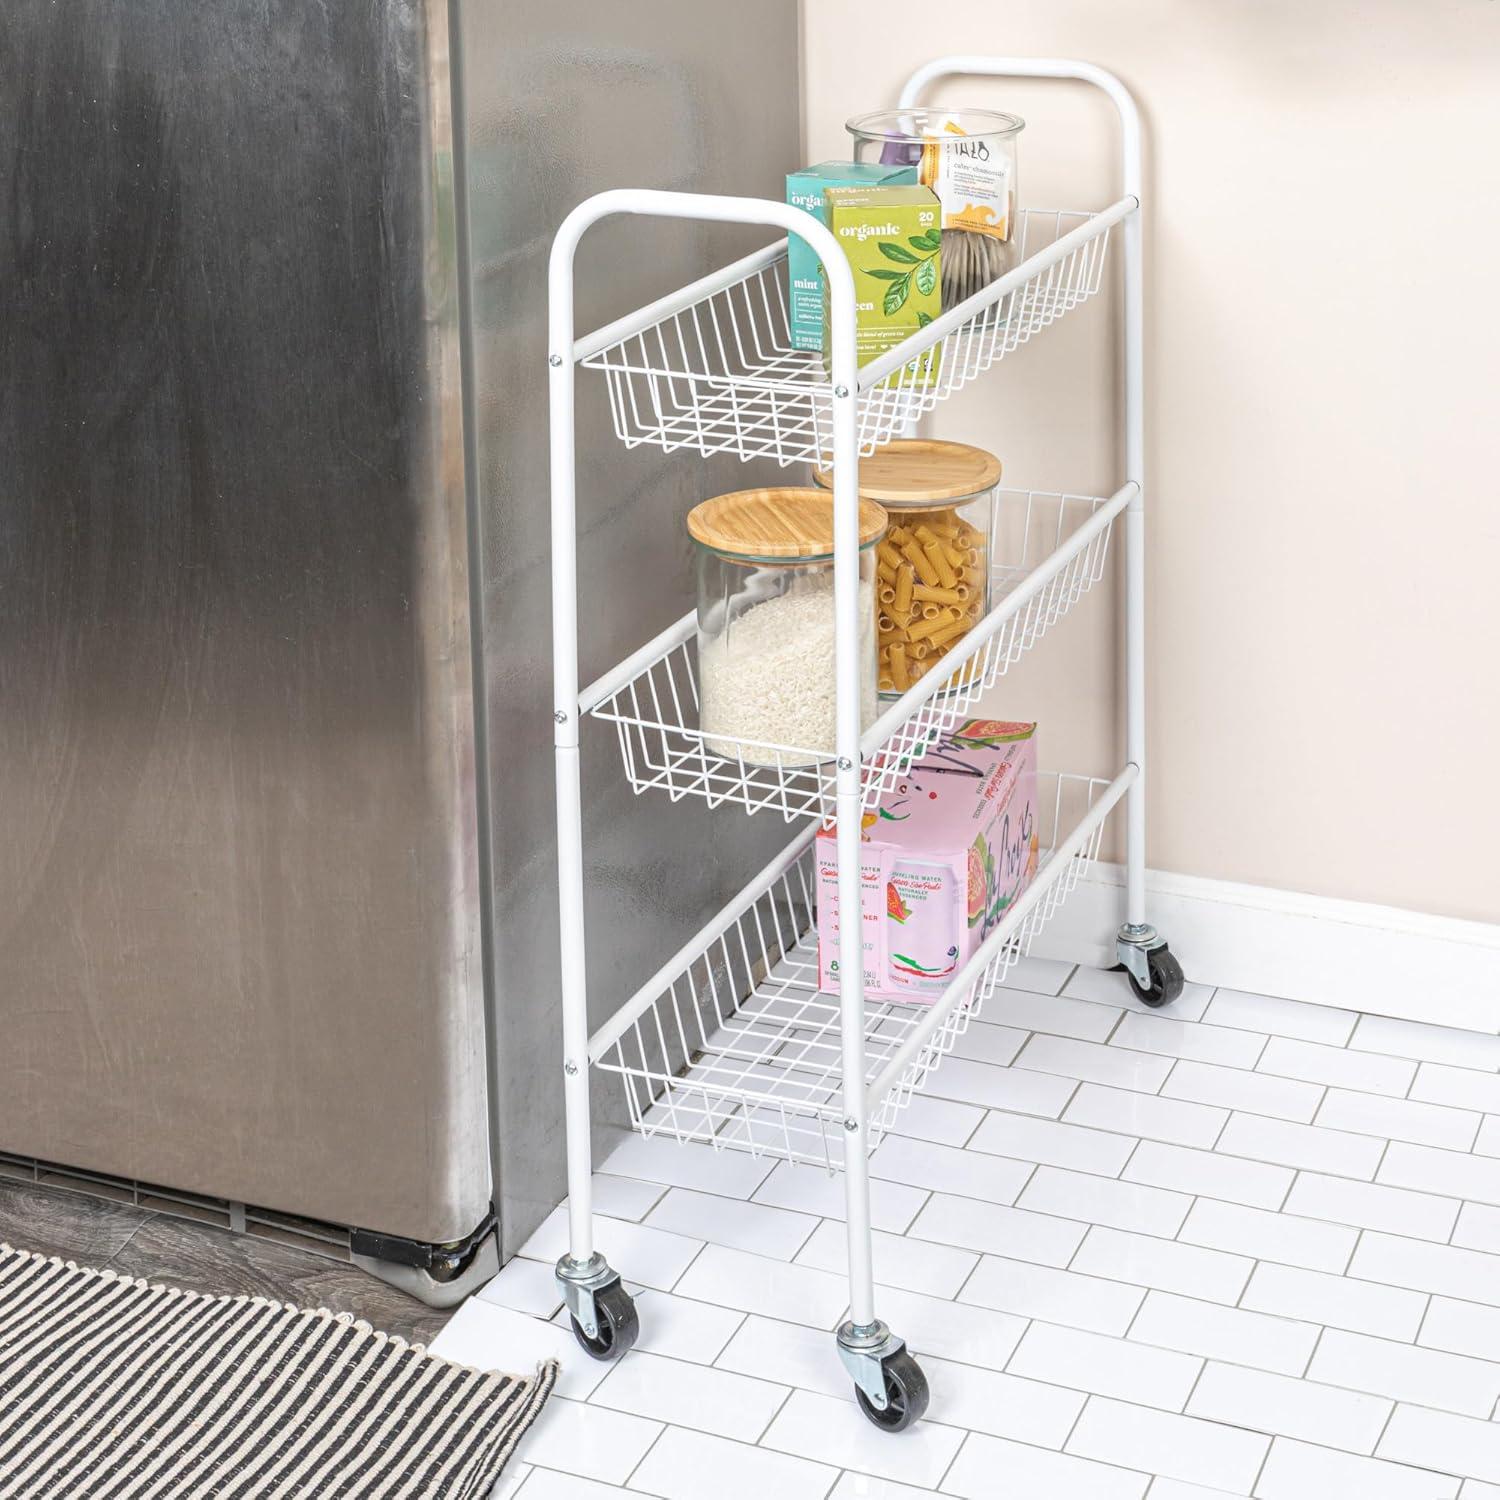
(601, 1311)
(906, 1394)
(888, 1383)
(1164, 978)
(1155, 976)
(615, 1322)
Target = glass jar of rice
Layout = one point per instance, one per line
(933, 567)
(767, 680)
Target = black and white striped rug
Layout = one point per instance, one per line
(114, 1389)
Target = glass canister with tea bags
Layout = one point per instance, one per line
(968, 158)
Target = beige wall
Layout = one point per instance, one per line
(1323, 372)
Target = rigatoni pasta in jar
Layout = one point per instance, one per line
(933, 566)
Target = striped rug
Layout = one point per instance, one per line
(114, 1389)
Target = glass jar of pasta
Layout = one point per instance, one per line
(933, 566)
(767, 663)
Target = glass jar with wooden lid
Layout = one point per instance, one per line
(933, 567)
(767, 674)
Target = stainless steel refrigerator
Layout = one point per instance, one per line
(277, 927)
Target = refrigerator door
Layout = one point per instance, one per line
(239, 900)
(565, 99)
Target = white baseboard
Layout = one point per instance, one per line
(1271, 942)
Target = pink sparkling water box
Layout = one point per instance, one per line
(944, 858)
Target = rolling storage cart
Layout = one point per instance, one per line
(731, 1043)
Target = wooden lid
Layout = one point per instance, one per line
(791, 522)
(916, 471)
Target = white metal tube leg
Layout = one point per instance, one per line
(565, 741)
(850, 638)
(1135, 551)
(1135, 438)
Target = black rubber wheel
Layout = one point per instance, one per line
(906, 1394)
(1166, 978)
(618, 1323)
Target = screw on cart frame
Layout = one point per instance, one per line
(888, 1382)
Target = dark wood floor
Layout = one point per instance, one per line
(156, 1247)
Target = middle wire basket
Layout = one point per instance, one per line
(1048, 550)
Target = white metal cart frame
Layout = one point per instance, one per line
(760, 1061)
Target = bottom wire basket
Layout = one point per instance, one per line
(742, 1051)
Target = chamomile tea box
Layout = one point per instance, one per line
(804, 269)
(944, 857)
(893, 239)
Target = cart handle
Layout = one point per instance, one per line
(1045, 67)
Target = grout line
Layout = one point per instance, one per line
(1073, 1426)
(1359, 1234)
(1286, 1196)
(1265, 1043)
(681, 1275)
(1385, 1425)
(1135, 1318)
(1265, 1458)
(1462, 1204)
(952, 1462)
(635, 1468)
(781, 1406)
(1187, 1401)
(1312, 1353)
(984, 1113)
(1422, 1324)
(1229, 1114)
(1072, 1259)
(1416, 1074)
(916, 1213)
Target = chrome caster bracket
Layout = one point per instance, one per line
(1133, 944)
(864, 1351)
(578, 1281)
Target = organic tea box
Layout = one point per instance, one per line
(943, 859)
(893, 238)
(804, 270)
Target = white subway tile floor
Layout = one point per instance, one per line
(1247, 1248)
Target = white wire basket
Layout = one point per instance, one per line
(1048, 550)
(735, 1046)
(720, 375)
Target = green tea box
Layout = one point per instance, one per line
(893, 238)
(804, 270)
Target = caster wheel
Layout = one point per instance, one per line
(618, 1323)
(905, 1394)
(1166, 979)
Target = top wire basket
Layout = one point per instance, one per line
(717, 373)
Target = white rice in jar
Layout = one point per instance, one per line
(767, 641)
